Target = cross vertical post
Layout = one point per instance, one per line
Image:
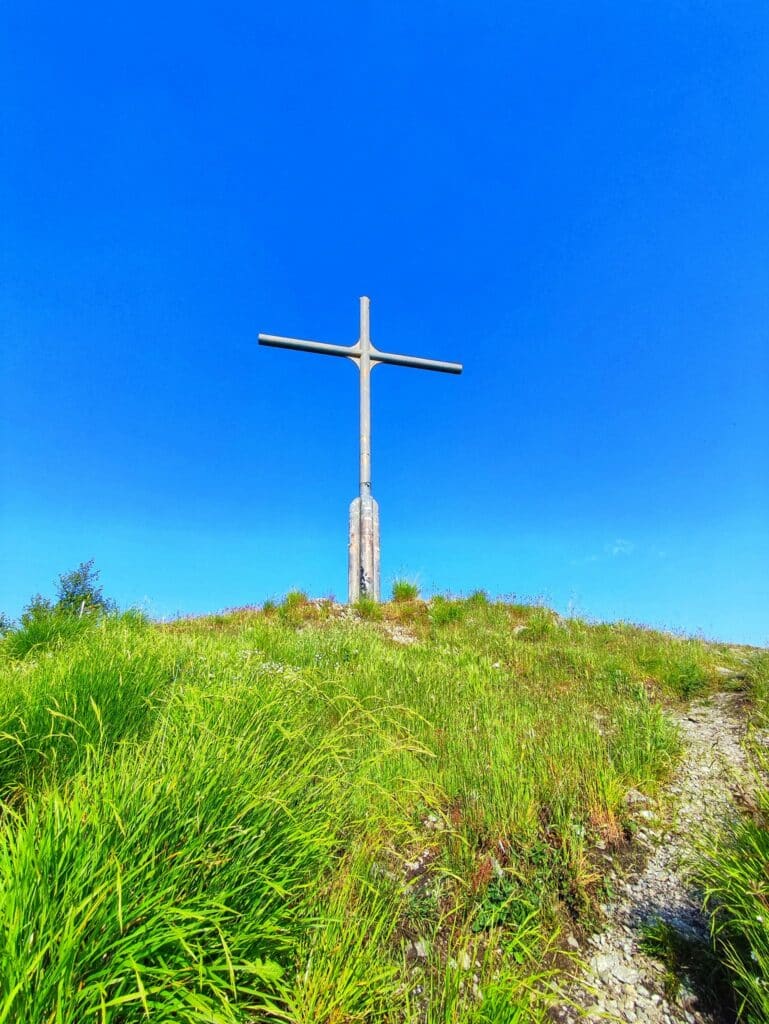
(363, 551)
(363, 573)
(364, 365)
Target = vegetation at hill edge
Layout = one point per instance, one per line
(314, 814)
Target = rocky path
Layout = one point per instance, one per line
(620, 982)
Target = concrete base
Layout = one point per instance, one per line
(363, 551)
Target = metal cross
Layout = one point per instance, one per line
(363, 552)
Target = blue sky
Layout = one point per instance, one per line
(571, 199)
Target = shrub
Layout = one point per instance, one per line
(78, 593)
(404, 590)
(45, 624)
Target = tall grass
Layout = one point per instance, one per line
(58, 707)
(734, 876)
(288, 816)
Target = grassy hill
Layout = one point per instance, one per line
(314, 814)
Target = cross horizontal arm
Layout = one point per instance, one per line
(353, 351)
(274, 341)
(416, 361)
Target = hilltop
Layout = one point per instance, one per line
(406, 812)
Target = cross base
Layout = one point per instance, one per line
(363, 550)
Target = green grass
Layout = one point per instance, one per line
(733, 872)
(405, 590)
(367, 608)
(285, 815)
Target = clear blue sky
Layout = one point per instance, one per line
(572, 199)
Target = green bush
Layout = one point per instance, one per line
(78, 593)
(45, 625)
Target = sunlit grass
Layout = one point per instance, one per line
(286, 815)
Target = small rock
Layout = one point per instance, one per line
(627, 975)
(634, 797)
(603, 965)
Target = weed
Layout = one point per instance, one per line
(443, 611)
(539, 625)
(295, 608)
(44, 627)
(369, 609)
(405, 590)
(504, 902)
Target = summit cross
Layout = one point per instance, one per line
(363, 551)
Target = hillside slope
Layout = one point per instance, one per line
(314, 814)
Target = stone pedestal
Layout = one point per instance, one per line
(363, 550)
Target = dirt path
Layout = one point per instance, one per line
(620, 982)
